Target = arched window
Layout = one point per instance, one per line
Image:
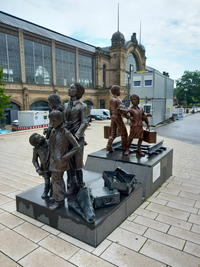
(40, 105)
(131, 62)
(104, 76)
(10, 113)
(102, 103)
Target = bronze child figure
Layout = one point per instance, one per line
(75, 117)
(137, 116)
(62, 146)
(116, 120)
(55, 103)
(41, 154)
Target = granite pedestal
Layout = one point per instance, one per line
(66, 220)
(152, 170)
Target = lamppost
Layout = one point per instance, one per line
(129, 85)
(185, 98)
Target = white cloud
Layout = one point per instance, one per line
(170, 28)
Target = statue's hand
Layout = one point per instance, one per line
(62, 163)
(132, 119)
(45, 131)
(148, 127)
(39, 171)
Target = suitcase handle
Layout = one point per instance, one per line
(107, 202)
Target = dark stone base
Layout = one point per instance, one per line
(152, 170)
(69, 222)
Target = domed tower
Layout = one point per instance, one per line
(118, 40)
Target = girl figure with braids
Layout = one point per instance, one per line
(55, 103)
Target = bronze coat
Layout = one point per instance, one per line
(59, 142)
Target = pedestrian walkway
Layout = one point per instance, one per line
(163, 231)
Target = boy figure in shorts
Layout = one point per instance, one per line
(137, 116)
(41, 153)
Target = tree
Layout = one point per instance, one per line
(188, 86)
(4, 99)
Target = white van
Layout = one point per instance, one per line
(105, 113)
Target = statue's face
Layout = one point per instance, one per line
(72, 90)
(118, 92)
(51, 105)
(40, 140)
(134, 101)
(55, 122)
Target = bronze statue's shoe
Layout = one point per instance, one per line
(52, 198)
(56, 205)
(44, 195)
(72, 190)
(126, 153)
(109, 149)
(81, 185)
(138, 151)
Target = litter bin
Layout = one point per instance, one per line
(187, 110)
(174, 116)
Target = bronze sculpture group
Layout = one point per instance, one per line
(62, 149)
(136, 116)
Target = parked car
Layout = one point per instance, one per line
(198, 109)
(194, 110)
(3, 130)
(89, 119)
(97, 117)
(15, 123)
(105, 113)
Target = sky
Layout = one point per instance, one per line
(170, 29)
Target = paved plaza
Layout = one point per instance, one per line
(163, 231)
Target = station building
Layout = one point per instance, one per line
(38, 62)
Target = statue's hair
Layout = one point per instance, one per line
(56, 114)
(33, 139)
(79, 89)
(114, 89)
(136, 96)
(56, 101)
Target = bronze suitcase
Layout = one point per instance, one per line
(121, 181)
(107, 132)
(149, 136)
(104, 197)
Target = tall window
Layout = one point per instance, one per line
(40, 105)
(10, 57)
(38, 62)
(102, 103)
(131, 60)
(104, 76)
(65, 67)
(86, 69)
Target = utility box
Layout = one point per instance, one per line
(33, 118)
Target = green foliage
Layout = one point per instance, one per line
(88, 110)
(4, 99)
(188, 87)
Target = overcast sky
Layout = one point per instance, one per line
(170, 29)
